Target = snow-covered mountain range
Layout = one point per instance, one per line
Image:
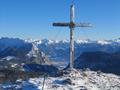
(56, 50)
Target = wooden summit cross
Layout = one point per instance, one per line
(72, 25)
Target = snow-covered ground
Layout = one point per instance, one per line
(76, 80)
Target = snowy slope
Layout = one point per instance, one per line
(76, 80)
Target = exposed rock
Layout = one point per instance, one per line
(45, 69)
(67, 81)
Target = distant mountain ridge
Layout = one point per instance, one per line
(99, 61)
(55, 49)
(13, 47)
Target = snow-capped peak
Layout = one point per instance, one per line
(50, 41)
(117, 40)
(65, 41)
(79, 41)
(37, 41)
(103, 42)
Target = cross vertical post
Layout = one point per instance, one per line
(71, 36)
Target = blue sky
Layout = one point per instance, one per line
(34, 18)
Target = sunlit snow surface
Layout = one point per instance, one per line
(81, 80)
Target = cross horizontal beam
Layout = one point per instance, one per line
(71, 24)
(83, 25)
(61, 24)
